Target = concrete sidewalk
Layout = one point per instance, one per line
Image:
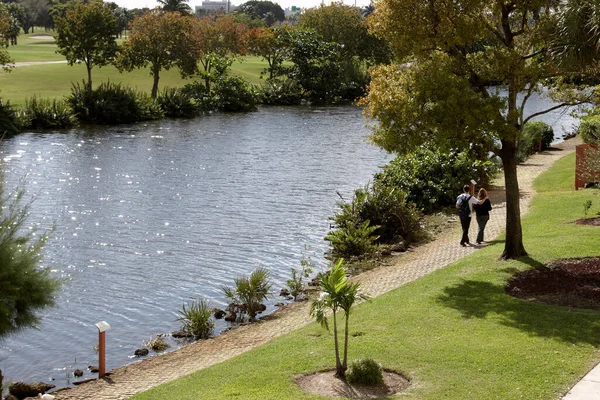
(588, 388)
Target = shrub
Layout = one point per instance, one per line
(8, 119)
(533, 132)
(284, 92)
(201, 95)
(353, 240)
(589, 129)
(46, 114)
(249, 292)
(365, 371)
(296, 283)
(432, 179)
(196, 319)
(234, 94)
(111, 104)
(177, 103)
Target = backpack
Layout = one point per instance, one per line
(463, 209)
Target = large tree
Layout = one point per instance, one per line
(220, 39)
(272, 44)
(465, 70)
(5, 25)
(161, 40)
(86, 33)
(266, 11)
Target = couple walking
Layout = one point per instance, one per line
(466, 203)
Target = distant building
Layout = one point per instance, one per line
(215, 6)
(292, 11)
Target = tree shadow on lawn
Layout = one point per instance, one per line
(478, 299)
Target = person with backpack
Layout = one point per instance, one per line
(464, 204)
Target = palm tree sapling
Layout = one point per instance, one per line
(337, 294)
(249, 292)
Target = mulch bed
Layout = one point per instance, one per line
(589, 221)
(324, 383)
(573, 282)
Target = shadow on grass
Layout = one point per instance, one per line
(480, 299)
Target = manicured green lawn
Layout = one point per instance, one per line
(454, 333)
(54, 80)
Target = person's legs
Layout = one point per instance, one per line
(465, 222)
(481, 222)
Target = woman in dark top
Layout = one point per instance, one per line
(482, 211)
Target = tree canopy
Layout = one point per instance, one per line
(161, 40)
(266, 11)
(5, 24)
(86, 33)
(465, 69)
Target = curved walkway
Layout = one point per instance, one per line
(135, 378)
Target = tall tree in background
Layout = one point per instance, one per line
(86, 33)
(266, 11)
(179, 6)
(162, 41)
(273, 45)
(220, 39)
(5, 25)
(450, 57)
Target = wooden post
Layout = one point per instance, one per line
(102, 354)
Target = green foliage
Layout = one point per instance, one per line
(533, 132)
(284, 92)
(296, 283)
(112, 104)
(365, 371)
(196, 319)
(86, 33)
(249, 292)
(227, 93)
(586, 207)
(262, 10)
(161, 41)
(46, 114)
(26, 288)
(179, 6)
(337, 294)
(6, 22)
(8, 119)
(352, 240)
(176, 103)
(234, 94)
(326, 76)
(432, 179)
(589, 129)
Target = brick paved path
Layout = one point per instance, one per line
(135, 378)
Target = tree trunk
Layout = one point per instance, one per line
(345, 361)
(339, 372)
(155, 83)
(513, 247)
(89, 73)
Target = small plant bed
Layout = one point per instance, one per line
(573, 282)
(325, 383)
(589, 221)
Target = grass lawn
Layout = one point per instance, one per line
(54, 80)
(454, 333)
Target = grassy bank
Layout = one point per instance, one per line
(454, 333)
(54, 80)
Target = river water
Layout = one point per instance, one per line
(150, 215)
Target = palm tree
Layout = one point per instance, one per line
(337, 294)
(179, 6)
(250, 291)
